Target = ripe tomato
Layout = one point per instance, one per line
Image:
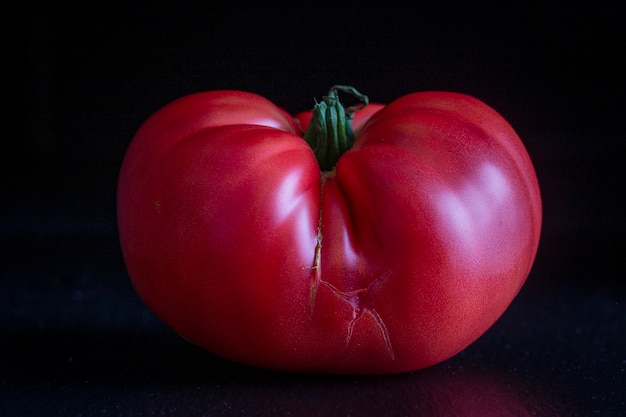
(408, 244)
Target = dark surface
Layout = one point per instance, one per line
(78, 342)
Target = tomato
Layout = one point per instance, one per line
(383, 251)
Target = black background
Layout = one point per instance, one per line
(77, 341)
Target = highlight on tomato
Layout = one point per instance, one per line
(369, 239)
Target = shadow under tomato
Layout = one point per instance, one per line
(163, 374)
(439, 391)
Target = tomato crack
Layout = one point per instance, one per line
(316, 268)
(317, 257)
(362, 303)
(360, 300)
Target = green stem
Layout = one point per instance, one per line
(330, 130)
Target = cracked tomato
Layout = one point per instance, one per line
(382, 248)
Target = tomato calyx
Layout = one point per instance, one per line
(329, 133)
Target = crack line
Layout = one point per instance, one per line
(361, 302)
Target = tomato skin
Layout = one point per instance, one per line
(399, 259)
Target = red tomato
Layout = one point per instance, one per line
(399, 257)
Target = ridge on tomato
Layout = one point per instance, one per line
(409, 243)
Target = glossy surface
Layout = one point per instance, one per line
(398, 259)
